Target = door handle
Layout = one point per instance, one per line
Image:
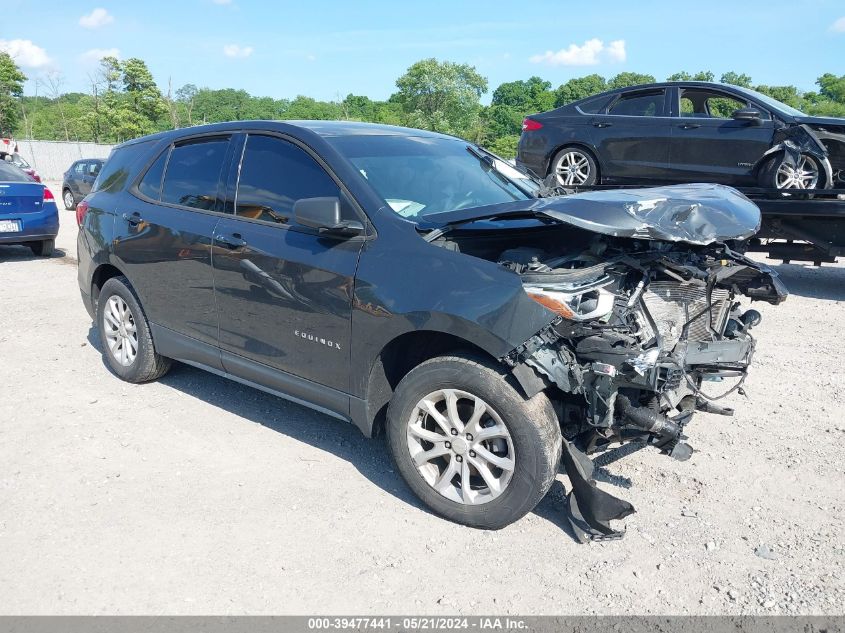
(134, 219)
(689, 126)
(230, 241)
(602, 124)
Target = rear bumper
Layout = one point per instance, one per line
(43, 225)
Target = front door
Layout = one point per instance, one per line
(632, 137)
(284, 292)
(710, 146)
(164, 232)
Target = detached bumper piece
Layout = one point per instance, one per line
(590, 508)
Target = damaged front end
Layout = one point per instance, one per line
(645, 317)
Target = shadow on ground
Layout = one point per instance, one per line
(24, 253)
(368, 456)
(825, 282)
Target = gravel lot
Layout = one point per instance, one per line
(197, 495)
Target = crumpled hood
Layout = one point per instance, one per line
(697, 213)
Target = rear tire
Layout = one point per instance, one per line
(44, 248)
(507, 473)
(574, 167)
(69, 199)
(125, 334)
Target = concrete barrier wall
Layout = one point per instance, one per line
(52, 158)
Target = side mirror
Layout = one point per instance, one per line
(323, 214)
(746, 114)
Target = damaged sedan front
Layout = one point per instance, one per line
(643, 298)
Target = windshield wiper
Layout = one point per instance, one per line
(442, 230)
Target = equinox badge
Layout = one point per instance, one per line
(316, 339)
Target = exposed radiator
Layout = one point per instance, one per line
(672, 304)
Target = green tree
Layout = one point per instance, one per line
(734, 79)
(623, 80)
(702, 75)
(144, 96)
(579, 88)
(442, 96)
(532, 95)
(11, 90)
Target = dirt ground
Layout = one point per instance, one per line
(196, 495)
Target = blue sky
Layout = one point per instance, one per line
(324, 49)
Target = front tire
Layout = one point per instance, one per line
(778, 174)
(574, 167)
(469, 445)
(125, 334)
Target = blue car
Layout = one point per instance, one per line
(28, 212)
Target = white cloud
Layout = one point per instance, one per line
(97, 18)
(838, 26)
(311, 57)
(234, 50)
(96, 54)
(25, 53)
(590, 53)
(616, 51)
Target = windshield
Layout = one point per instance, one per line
(774, 103)
(417, 175)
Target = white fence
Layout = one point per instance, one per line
(52, 158)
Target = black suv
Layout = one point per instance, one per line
(412, 283)
(78, 179)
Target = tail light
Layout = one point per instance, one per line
(529, 125)
(81, 210)
(48, 195)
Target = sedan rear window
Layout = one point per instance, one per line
(10, 173)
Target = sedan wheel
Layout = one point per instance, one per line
(120, 330)
(69, 201)
(574, 168)
(461, 447)
(803, 175)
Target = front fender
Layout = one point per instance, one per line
(792, 142)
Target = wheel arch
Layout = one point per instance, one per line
(102, 273)
(398, 357)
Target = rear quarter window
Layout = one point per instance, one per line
(115, 173)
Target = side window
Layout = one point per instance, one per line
(640, 104)
(721, 107)
(150, 184)
(193, 173)
(687, 107)
(273, 175)
(93, 168)
(79, 168)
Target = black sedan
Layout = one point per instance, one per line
(679, 132)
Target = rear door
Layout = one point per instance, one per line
(710, 146)
(284, 291)
(632, 137)
(164, 227)
(89, 175)
(77, 173)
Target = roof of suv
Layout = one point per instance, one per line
(319, 127)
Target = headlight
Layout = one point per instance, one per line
(582, 304)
